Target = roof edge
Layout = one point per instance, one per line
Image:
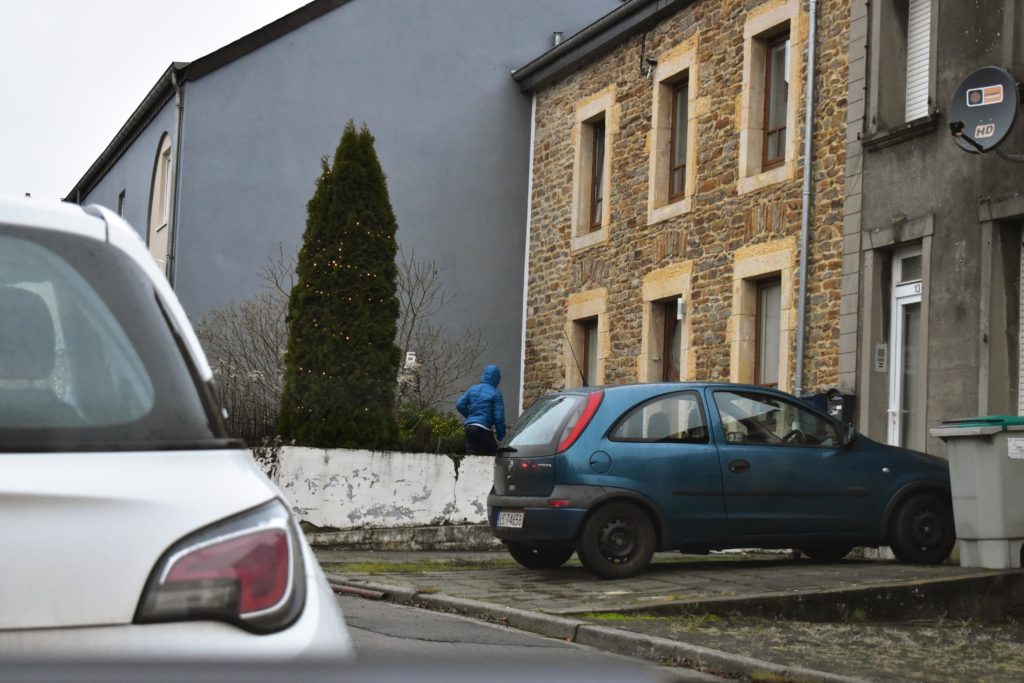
(599, 37)
(163, 90)
(147, 110)
(260, 37)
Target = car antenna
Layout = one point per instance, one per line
(579, 367)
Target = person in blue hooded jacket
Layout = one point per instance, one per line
(484, 408)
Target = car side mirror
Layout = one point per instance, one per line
(849, 434)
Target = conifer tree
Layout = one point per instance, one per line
(342, 362)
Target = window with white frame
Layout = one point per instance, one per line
(158, 234)
(902, 46)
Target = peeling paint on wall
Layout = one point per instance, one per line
(347, 489)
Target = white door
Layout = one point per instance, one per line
(1020, 340)
(906, 342)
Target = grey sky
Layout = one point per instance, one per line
(73, 71)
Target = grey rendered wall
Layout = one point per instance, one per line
(133, 172)
(928, 178)
(431, 80)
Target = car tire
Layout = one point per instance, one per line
(826, 553)
(539, 557)
(922, 532)
(617, 541)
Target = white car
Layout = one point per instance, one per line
(132, 525)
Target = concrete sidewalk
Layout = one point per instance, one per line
(754, 617)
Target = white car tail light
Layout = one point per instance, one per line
(246, 570)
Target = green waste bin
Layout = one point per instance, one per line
(986, 473)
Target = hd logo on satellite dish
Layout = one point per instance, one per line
(985, 130)
(980, 97)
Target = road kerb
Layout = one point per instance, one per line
(524, 620)
(637, 645)
(698, 657)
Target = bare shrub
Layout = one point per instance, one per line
(245, 344)
(443, 362)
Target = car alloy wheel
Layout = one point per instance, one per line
(617, 541)
(923, 530)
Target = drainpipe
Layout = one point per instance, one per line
(526, 256)
(179, 111)
(805, 215)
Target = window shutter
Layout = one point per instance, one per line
(918, 56)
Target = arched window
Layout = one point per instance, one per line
(158, 236)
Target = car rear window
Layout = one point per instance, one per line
(87, 359)
(545, 423)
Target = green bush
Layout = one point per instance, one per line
(424, 430)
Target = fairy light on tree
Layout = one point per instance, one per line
(340, 368)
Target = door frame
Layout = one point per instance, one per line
(903, 294)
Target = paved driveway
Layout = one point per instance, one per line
(748, 616)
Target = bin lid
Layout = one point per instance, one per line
(980, 426)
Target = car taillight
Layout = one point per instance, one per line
(246, 570)
(593, 401)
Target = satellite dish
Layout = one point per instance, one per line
(984, 109)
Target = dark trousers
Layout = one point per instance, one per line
(480, 441)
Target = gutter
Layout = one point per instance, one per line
(599, 37)
(805, 213)
(526, 256)
(172, 228)
(151, 105)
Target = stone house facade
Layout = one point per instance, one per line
(666, 196)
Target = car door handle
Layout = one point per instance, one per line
(739, 466)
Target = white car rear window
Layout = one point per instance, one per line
(65, 335)
(88, 360)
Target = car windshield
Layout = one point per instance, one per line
(544, 424)
(87, 359)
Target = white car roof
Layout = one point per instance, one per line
(62, 216)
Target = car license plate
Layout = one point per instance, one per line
(511, 519)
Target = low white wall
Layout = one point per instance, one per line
(348, 489)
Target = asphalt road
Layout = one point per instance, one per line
(389, 634)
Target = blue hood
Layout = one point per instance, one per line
(492, 375)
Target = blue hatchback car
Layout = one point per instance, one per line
(617, 473)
